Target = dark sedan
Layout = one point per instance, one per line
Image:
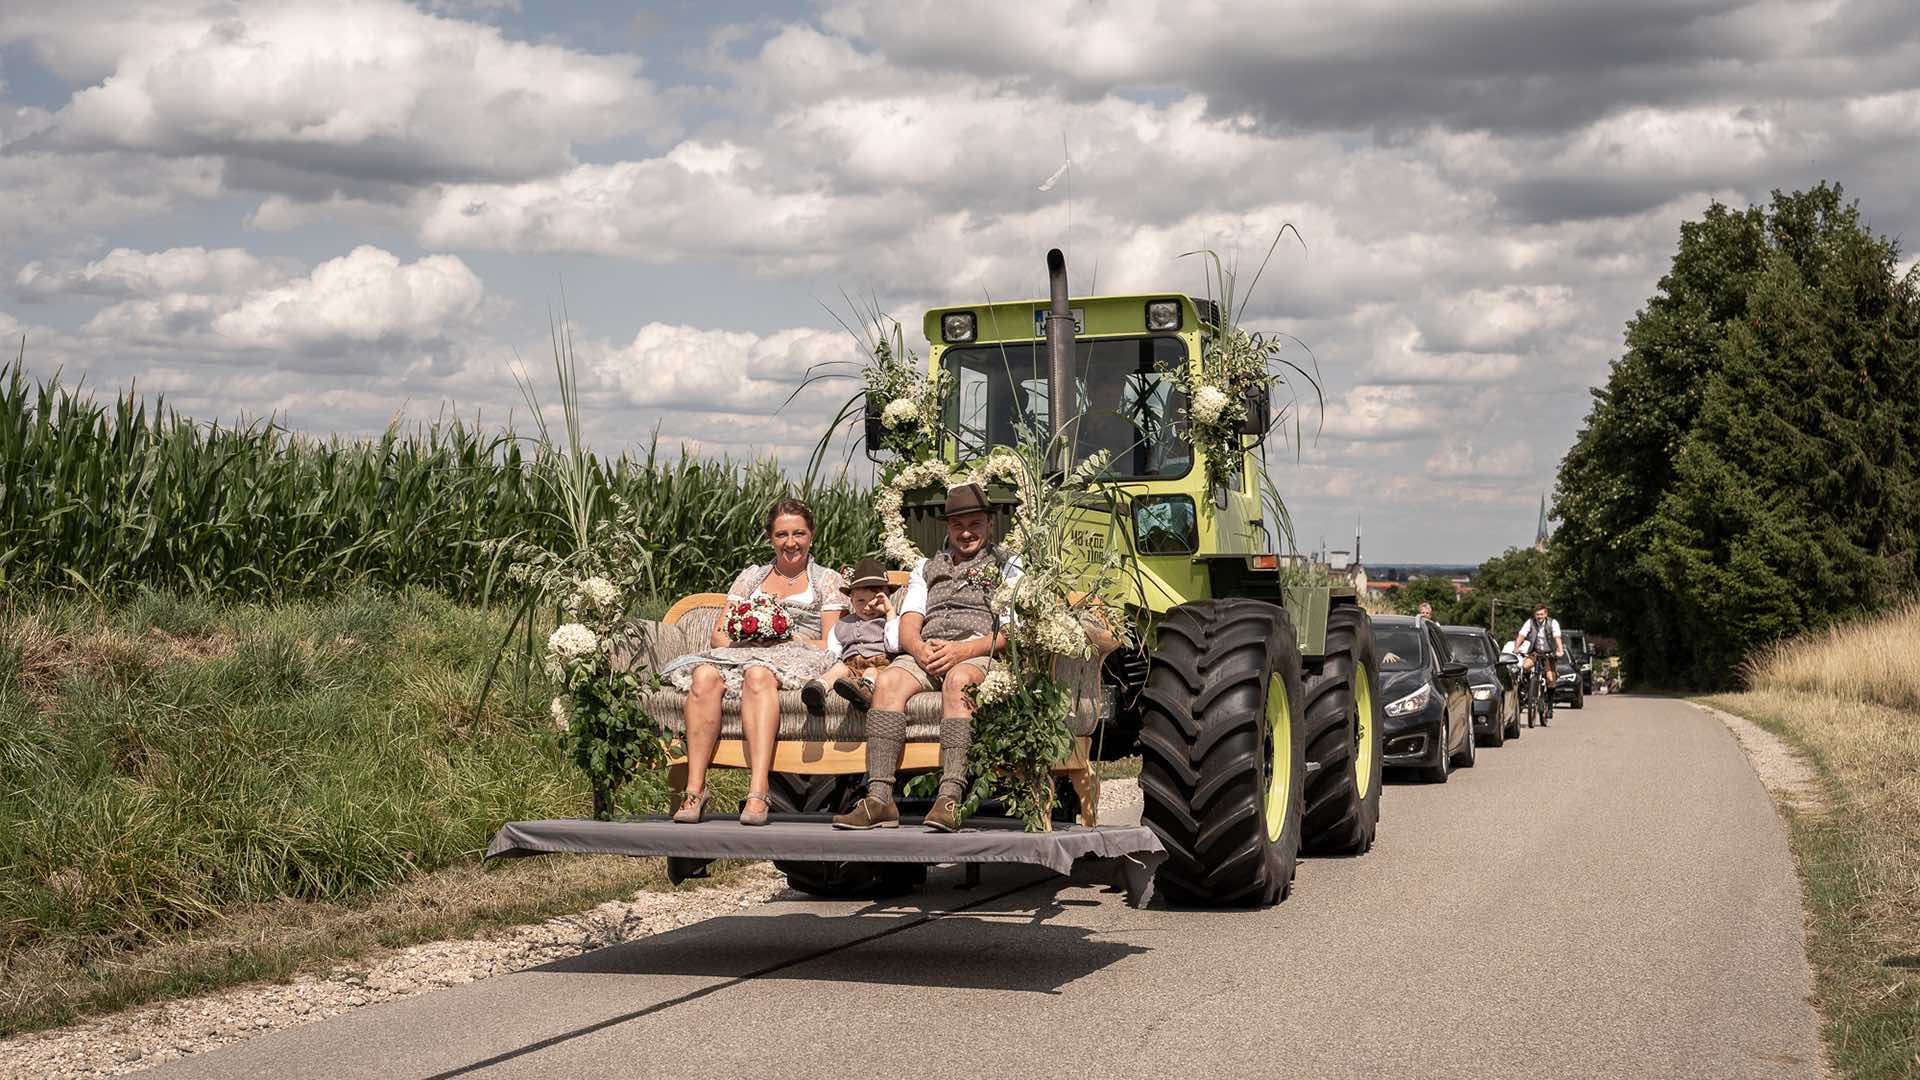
(1496, 702)
(1429, 712)
(1580, 658)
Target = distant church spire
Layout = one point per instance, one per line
(1540, 533)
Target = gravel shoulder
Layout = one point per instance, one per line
(150, 1035)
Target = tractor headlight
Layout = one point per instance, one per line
(1163, 314)
(1412, 703)
(957, 327)
(1483, 693)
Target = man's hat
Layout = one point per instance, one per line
(867, 574)
(966, 499)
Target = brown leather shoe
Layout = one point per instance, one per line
(814, 696)
(856, 691)
(945, 815)
(869, 813)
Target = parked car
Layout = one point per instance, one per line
(1573, 677)
(1496, 697)
(1582, 656)
(1429, 711)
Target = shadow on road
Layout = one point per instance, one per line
(1003, 940)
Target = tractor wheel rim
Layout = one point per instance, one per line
(1363, 729)
(1280, 768)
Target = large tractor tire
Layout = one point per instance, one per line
(1223, 743)
(1344, 715)
(794, 793)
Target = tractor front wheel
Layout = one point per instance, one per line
(1343, 713)
(1223, 753)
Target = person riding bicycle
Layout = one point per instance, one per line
(1540, 637)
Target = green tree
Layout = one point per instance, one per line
(1750, 469)
(1515, 579)
(1432, 590)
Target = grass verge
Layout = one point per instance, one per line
(1860, 864)
(196, 794)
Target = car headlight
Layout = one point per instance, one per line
(1483, 693)
(1569, 676)
(1412, 703)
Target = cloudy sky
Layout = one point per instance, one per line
(336, 211)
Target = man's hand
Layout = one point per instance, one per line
(943, 656)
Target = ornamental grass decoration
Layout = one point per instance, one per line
(1239, 370)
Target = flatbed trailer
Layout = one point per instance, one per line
(1130, 852)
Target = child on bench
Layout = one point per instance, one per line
(865, 640)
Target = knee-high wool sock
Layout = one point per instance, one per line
(956, 733)
(886, 734)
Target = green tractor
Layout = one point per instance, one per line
(1254, 703)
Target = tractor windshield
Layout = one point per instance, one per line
(1126, 406)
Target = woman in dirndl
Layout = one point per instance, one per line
(813, 600)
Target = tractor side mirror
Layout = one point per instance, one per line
(1259, 413)
(875, 429)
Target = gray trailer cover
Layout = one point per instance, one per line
(1133, 850)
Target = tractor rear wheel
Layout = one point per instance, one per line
(1223, 753)
(796, 793)
(1343, 714)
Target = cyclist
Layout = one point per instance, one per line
(1539, 637)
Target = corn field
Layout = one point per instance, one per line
(101, 498)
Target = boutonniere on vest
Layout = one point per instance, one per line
(985, 574)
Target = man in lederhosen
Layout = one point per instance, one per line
(950, 636)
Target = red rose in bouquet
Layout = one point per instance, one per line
(758, 621)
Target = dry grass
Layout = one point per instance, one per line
(1861, 861)
(1869, 661)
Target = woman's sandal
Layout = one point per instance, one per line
(755, 817)
(693, 807)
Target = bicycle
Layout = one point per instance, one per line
(1539, 695)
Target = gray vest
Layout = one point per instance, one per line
(1542, 636)
(861, 637)
(957, 608)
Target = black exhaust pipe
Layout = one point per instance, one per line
(1061, 391)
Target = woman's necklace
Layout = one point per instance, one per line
(790, 579)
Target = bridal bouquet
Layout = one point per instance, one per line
(760, 620)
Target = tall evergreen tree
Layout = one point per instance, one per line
(1752, 468)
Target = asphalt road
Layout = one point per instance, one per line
(1609, 897)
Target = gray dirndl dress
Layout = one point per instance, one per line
(793, 662)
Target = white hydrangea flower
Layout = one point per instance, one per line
(902, 551)
(1208, 403)
(558, 707)
(572, 639)
(599, 591)
(899, 412)
(998, 686)
(1061, 634)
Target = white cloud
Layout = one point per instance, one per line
(124, 272)
(364, 299)
(718, 371)
(341, 91)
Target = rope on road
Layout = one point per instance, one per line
(695, 995)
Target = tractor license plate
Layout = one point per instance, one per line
(1040, 321)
